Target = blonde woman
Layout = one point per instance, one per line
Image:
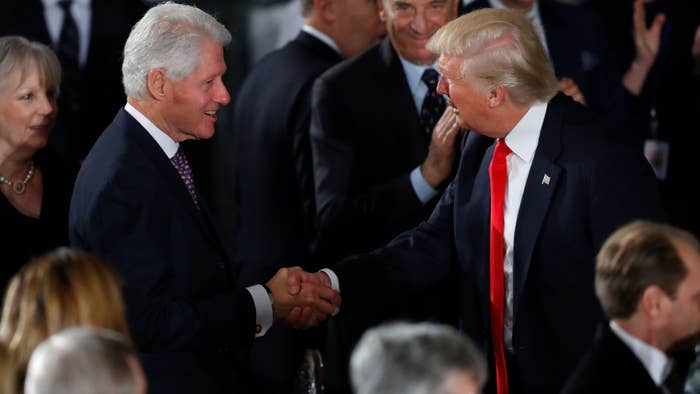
(61, 289)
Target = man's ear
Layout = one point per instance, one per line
(497, 96)
(382, 11)
(326, 9)
(156, 82)
(653, 302)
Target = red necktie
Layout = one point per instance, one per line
(498, 172)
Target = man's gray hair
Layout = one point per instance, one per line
(413, 358)
(169, 36)
(82, 360)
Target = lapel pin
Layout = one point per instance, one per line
(545, 179)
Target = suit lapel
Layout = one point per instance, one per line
(169, 175)
(472, 218)
(409, 136)
(537, 196)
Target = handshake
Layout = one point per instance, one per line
(302, 299)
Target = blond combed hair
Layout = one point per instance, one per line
(61, 289)
(500, 48)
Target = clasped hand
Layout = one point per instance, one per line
(302, 299)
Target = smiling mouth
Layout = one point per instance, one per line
(211, 114)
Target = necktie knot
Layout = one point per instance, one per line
(502, 150)
(430, 77)
(185, 171)
(433, 103)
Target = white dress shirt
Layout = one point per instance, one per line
(522, 141)
(263, 306)
(656, 362)
(82, 14)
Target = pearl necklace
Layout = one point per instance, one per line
(19, 186)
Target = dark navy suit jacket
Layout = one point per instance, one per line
(610, 367)
(186, 314)
(366, 140)
(274, 173)
(594, 186)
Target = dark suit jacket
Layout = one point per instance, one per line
(186, 314)
(595, 186)
(99, 91)
(274, 173)
(578, 50)
(366, 140)
(610, 367)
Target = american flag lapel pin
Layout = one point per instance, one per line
(545, 179)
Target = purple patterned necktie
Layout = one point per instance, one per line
(183, 168)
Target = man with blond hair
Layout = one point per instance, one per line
(540, 186)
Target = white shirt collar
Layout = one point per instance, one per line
(414, 72)
(525, 136)
(321, 36)
(167, 144)
(656, 362)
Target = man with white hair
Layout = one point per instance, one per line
(135, 203)
(85, 360)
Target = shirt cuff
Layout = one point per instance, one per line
(263, 309)
(336, 286)
(423, 190)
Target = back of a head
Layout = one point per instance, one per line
(407, 358)
(634, 257)
(500, 47)
(168, 36)
(60, 289)
(84, 360)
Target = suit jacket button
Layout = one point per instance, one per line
(258, 328)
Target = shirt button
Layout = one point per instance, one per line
(258, 328)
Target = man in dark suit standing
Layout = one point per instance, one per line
(378, 164)
(648, 281)
(541, 184)
(274, 175)
(135, 203)
(88, 37)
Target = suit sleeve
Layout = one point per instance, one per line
(416, 261)
(160, 259)
(352, 219)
